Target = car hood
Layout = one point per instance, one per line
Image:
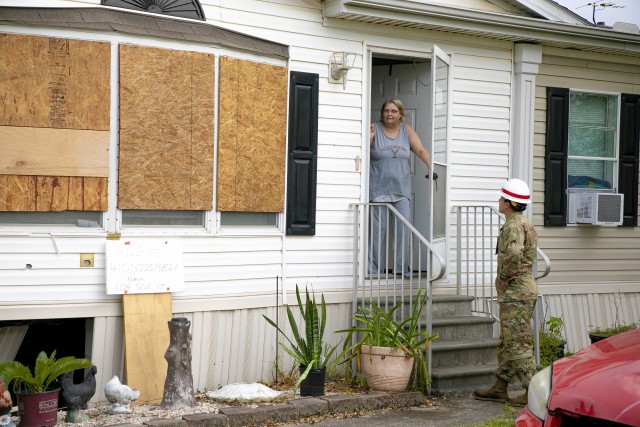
(601, 381)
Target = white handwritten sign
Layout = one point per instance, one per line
(142, 266)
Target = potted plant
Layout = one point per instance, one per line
(596, 334)
(390, 350)
(551, 342)
(309, 350)
(37, 391)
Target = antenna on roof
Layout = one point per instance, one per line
(595, 5)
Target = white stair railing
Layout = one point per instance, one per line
(477, 229)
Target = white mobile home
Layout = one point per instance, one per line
(222, 127)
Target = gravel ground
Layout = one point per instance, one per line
(98, 415)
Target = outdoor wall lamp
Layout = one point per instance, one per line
(340, 65)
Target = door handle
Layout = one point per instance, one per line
(435, 178)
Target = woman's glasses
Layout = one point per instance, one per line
(391, 111)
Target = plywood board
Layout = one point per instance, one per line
(22, 193)
(54, 152)
(54, 82)
(166, 129)
(252, 136)
(146, 334)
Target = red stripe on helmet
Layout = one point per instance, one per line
(520, 196)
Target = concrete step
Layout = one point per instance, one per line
(459, 328)
(449, 354)
(465, 378)
(451, 305)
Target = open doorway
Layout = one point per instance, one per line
(422, 86)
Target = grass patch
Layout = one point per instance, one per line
(506, 419)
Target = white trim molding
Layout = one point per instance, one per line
(526, 62)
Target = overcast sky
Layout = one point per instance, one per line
(610, 15)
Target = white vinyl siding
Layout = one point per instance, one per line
(231, 279)
(602, 256)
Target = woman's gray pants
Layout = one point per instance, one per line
(381, 217)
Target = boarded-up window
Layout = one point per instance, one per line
(54, 124)
(166, 129)
(251, 137)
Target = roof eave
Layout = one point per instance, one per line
(488, 24)
(111, 19)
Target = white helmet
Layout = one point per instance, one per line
(516, 190)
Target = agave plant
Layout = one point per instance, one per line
(47, 369)
(308, 350)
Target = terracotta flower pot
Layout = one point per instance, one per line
(386, 369)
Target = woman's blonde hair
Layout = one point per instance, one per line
(397, 103)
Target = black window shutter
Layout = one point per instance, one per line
(302, 154)
(628, 167)
(556, 151)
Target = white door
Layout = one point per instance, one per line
(421, 85)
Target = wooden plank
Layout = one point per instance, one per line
(146, 334)
(21, 193)
(54, 82)
(166, 158)
(54, 152)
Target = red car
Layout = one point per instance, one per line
(597, 387)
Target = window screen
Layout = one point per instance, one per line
(70, 218)
(133, 217)
(248, 219)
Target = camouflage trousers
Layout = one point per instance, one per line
(515, 351)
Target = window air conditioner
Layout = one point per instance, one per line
(596, 208)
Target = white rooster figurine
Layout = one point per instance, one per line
(120, 395)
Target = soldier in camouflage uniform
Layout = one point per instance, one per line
(517, 292)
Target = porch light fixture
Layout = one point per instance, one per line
(340, 65)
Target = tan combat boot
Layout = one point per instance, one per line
(497, 393)
(520, 400)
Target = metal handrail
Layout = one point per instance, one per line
(382, 284)
(493, 227)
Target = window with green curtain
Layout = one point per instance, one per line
(592, 156)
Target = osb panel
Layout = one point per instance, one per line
(17, 193)
(54, 152)
(54, 82)
(252, 136)
(166, 129)
(202, 137)
(228, 102)
(52, 194)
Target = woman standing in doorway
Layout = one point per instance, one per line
(390, 182)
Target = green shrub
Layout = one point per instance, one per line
(551, 342)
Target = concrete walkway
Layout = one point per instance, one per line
(448, 411)
(376, 409)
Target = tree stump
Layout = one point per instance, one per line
(178, 387)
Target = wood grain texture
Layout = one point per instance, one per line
(251, 137)
(166, 129)
(54, 82)
(22, 193)
(55, 152)
(54, 123)
(146, 335)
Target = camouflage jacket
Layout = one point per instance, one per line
(516, 250)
